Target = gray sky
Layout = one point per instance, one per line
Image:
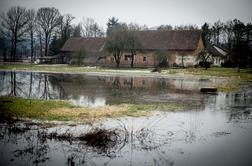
(149, 12)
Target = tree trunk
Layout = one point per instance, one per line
(41, 45)
(183, 61)
(12, 48)
(30, 89)
(4, 51)
(117, 58)
(46, 44)
(239, 60)
(132, 58)
(117, 63)
(13, 84)
(31, 46)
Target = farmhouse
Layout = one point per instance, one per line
(181, 48)
(218, 55)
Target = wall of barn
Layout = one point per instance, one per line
(141, 60)
(148, 58)
(189, 57)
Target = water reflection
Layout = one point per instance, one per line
(88, 101)
(100, 90)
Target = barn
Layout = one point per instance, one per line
(181, 48)
(93, 48)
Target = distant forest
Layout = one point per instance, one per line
(29, 34)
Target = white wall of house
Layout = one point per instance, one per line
(189, 60)
(217, 61)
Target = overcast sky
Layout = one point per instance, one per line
(149, 12)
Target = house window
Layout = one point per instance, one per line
(144, 58)
(127, 57)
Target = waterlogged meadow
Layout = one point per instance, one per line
(78, 119)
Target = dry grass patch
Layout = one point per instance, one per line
(93, 114)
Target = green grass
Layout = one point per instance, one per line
(34, 109)
(64, 111)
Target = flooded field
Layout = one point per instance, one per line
(84, 90)
(217, 130)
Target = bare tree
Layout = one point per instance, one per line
(77, 29)
(238, 29)
(116, 43)
(91, 28)
(31, 15)
(217, 29)
(41, 40)
(165, 27)
(14, 25)
(65, 26)
(162, 58)
(136, 27)
(97, 30)
(132, 44)
(186, 27)
(48, 19)
(3, 46)
(204, 57)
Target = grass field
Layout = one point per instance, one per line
(63, 111)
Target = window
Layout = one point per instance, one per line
(144, 58)
(127, 57)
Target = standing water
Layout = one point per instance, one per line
(216, 130)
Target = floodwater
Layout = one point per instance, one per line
(84, 90)
(216, 131)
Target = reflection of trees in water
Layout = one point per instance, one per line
(30, 149)
(30, 85)
(147, 90)
(238, 105)
(240, 114)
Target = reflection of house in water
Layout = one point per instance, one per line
(178, 84)
(98, 91)
(88, 101)
(130, 82)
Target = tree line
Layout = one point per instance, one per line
(45, 30)
(233, 36)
